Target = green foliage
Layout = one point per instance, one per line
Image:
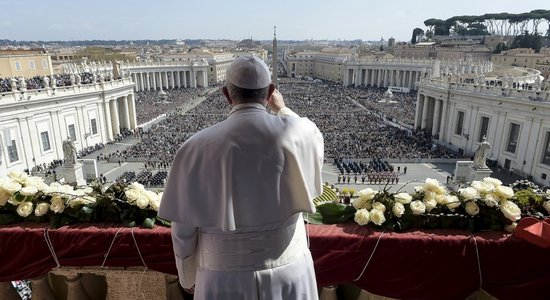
(527, 40)
(333, 213)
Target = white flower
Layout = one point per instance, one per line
(83, 200)
(398, 209)
(429, 195)
(29, 191)
(65, 189)
(510, 210)
(34, 181)
(361, 202)
(452, 202)
(362, 217)
(546, 205)
(418, 207)
(155, 204)
(367, 193)
(377, 217)
(440, 190)
(142, 201)
(490, 199)
(469, 193)
(18, 176)
(511, 228)
(137, 186)
(4, 196)
(379, 206)
(493, 181)
(504, 192)
(57, 204)
(12, 186)
(25, 209)
(430, 204)
(471, 208)
(441, 199)
(431, 184)
(482, 187)
(41, 209)
(403, 198)
(132, 195)
(87, 190)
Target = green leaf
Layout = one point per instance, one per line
(148, 223)
(336, 212)
(8, 218)
(315, 218)
(164, 221)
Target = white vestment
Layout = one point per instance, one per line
(235, 194)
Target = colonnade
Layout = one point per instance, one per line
(171, 79)
(120, 113)
(381, 77)
(431, 115)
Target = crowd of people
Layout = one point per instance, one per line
(348, 128)
(149, 104)
(145, 177)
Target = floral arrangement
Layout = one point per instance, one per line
(486, 204)
(29, 198)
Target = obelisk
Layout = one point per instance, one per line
(274, 59)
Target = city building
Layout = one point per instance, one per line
(343, 66)
(522, 57)
(515, 122)
(34, 123)
(26, 63)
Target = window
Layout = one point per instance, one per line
(18, 66)
(44, 64)
(459, 123)
(483, 129)
(546, 150)
(13, 156)
(513, 138)
(94, 126)
(72, 132)
(31, 65)
(45, 138)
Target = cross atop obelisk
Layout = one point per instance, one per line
(274, 58)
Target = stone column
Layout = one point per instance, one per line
(437, 118)
(148, 81)
(141, 82)
(165, 79)
(419, 107)
(443, 127)
(357, 77)
(126, 112)
(205, 78)
(178, 79)
(114, 117)
(155, 81)
(425, 112)
(108, 124)
(185, 79)
(172, 81)
(391, 77)
(132, 110)
(193, 75)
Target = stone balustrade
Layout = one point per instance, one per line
(26, 96)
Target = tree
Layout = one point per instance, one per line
(527, 40)
(416, 32)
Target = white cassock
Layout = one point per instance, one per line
(235, 195)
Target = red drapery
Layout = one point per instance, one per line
(427, 264)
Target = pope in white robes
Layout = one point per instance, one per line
(236, 192)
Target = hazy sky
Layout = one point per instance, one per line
(213, 19)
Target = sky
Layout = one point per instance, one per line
(236, 20)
